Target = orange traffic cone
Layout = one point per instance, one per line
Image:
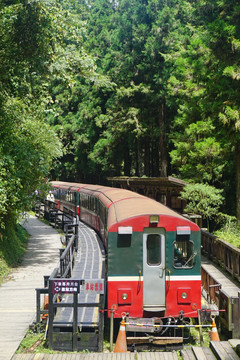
(214, 332)
(121, 343)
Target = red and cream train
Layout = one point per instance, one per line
(153, 253)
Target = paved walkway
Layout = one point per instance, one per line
(17, 296)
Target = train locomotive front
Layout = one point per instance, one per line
(153, 253)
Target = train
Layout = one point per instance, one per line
(153, 253)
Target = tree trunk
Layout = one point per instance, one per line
(137, 158)
(147, 156)
(162, 140)
(127, 161)
(237, 156)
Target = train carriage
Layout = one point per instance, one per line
(153, 253)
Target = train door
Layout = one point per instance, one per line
(154, 269)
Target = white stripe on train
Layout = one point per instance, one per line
(167, 277)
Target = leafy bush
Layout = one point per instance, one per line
(230, 233)
(13, 243)
(202, 199)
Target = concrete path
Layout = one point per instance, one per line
(18, 296)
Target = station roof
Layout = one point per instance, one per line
(168, 181)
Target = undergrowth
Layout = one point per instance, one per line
(230, 233)
(13, 243)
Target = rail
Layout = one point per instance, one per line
(222, 253)
(67, 257)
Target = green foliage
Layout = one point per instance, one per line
(122, 84)
(34, 341)
(229, 232)
(197, 154)
(13, 243)
(27, 150)
(202, 199)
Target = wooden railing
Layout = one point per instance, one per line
(221, 252)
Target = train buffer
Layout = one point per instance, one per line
(76, 295)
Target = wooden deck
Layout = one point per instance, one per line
(100, 356)
(220, 350)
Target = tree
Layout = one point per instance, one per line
(202, 199)
(206, 83)
(28, 145)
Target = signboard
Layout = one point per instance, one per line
(92, 286)
(71, 286)
(68, 286)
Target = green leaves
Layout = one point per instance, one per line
(202, 199)
(28, 146)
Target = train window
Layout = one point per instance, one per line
(84, 200)
(68, 196)
(63, 195)
(154, 249)
(183, 252)
(124, 240)
(55, 193)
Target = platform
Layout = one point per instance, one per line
(227, 284)
(220, 289)
(89, 264)
(17, 295)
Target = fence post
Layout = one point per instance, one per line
(50, 315)
(38, 306)
(101, 324)
(75, 321)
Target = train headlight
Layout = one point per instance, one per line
(124, 296)
(184, 295)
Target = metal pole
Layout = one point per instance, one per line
(200, 328)
(38, 306)
(75, 321)
(111, 330)
(101, 324)
(50, 316)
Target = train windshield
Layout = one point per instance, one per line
(183, 252)
(154, 249)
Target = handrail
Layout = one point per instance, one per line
(67, 259)
(223, 253)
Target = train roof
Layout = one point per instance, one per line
(123, 204)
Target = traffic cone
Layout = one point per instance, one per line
(214, 332)
(121, 343)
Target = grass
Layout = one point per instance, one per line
(33, 342)
(230, 233)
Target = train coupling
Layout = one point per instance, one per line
(146, 325)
